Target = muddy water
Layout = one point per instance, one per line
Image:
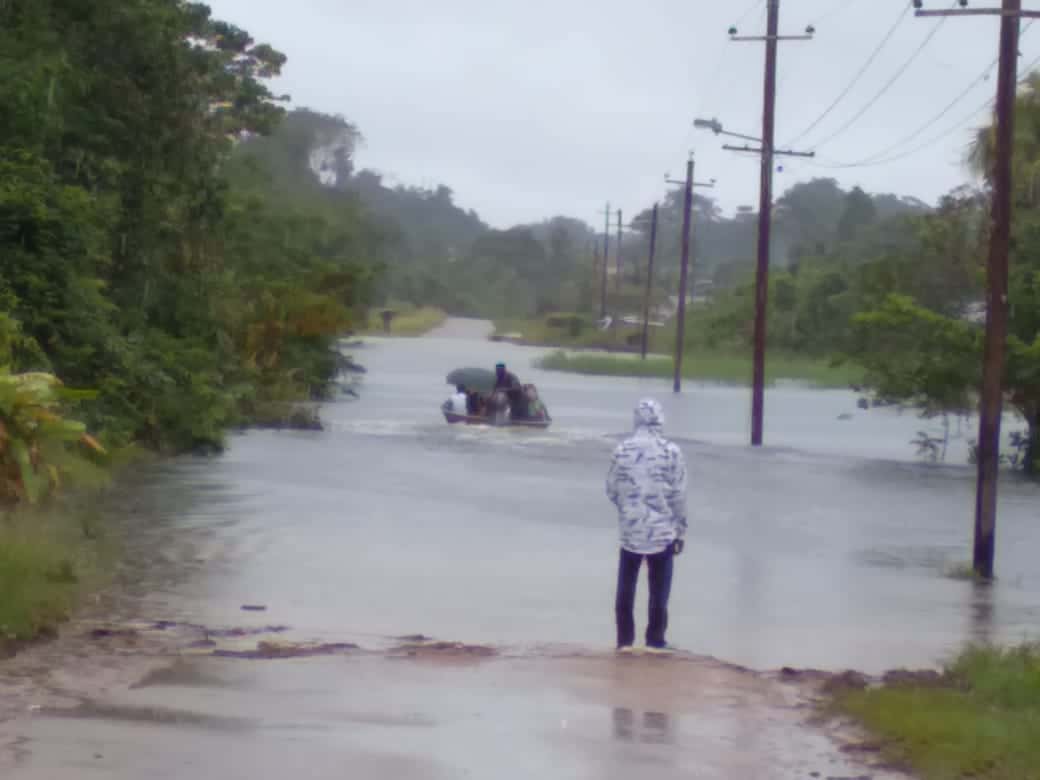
(827, 549)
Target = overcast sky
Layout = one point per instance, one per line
(542, 107)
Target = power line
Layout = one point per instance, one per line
(755, 5)
(879, 159)
(952, 104)
(855, 79)
(715, 72)
(713, 81)
(835, 11)
(801, 57)
(880, 162)
(727, 97)
(888, 85)
(984, 76)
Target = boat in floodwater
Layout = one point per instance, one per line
(489, 406)
(540, 423)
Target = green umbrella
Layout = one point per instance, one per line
(481, 380)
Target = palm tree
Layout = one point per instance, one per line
(980, 156)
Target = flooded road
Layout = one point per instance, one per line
(383, 719)
(829, 549)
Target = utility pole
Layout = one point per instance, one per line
(765, 221)
(596, 273)
(765, 210)
(617, 250)
(606, 261)
(680, 332)
(680, 325)
(991, 404)
(649, 284)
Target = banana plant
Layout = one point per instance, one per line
(37, 443)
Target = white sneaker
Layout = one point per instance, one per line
(666, 650)
(626, 650)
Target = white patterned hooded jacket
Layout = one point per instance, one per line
(647, 483)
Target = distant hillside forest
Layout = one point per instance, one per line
(434, 252)
(878, 279)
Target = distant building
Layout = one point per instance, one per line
(974, 313)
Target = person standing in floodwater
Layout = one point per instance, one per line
(647, 484)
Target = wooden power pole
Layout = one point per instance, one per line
(645, 345)
(617, 250)
(765, 221)
(684, 267)
(991, 404)
(680, 326)
(606, 262)
(597, 273)
(765, 210)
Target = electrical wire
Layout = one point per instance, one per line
(882, 161)
(714, 80)
(934, 120)
(755, 5)
(886, 157)
(984, 76)
(888, 85)
(835, 11)
(802, 55)
(855, 79)
(715, 72)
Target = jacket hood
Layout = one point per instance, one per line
(649, 416)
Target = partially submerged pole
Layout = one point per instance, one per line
(991, 405)
(649, 284)
(680, 326)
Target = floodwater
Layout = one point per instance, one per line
(830, 548)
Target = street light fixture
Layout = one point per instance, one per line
(716, 127)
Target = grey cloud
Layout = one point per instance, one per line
(537, 108)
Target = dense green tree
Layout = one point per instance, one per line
(860, 212)
(136, 255)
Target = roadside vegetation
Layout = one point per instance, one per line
(980, 719)
(49, 553)
(171, 265)
(50, 559)
(568, 329)
(163, 245)
(408, 321)
(728, 368)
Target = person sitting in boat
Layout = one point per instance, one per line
(535, 407)
(507, 381)
(474, 404)
(459, 403)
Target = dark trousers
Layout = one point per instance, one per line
(659, 568)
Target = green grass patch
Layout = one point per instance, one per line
(707, 366)
(562, 330)
(407, 322)
(984, 723)
(961, 570)
(49, 559)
